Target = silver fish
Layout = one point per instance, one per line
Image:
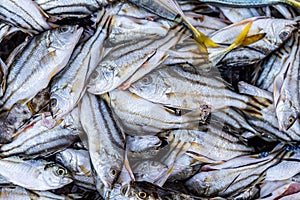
(125, 63)
(142, 143)
(68, 87)
(232, 176)
(106, 142)
(146, 190)
(40, 174)
(138, 116)
(171, 86)
(252, 3)
(286, 99)
(274, 32)
(30, 17)
(43, 57)
(59, 9)
(78, 163)
(38, 140)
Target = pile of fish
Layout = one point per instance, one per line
(160, 99)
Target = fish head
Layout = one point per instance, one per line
(58, 176)
(60, 104)
(109, 167)
(286, 115)
(66, 37)
(150, 86)
(280, 30)
(101, 80)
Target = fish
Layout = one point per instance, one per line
(78, 163)
(106, 141)
(30, 18)
(138, 116)
(59, 9)
(40, 174)
(43, 57)
(171, 86)
(170, 9)
(146, 190)
(286, 95)
(68, 87)
(130, 62)
(27, 142)
(249, 3)
(231, 176)
(253, 33)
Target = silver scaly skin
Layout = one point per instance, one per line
(29, 17)
(34, 66)
(106, 142)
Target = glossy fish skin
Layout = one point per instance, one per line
(214, 145)
(125, 29)
(40, 174)
(27, 142)
(142, 143)
(146, 190)
(232, 176)
(276, 32)
(132, 60)
(138, 116)
(171, 86)
(106, 142)
(252, 3)
(78, 163)
(288, 103)
(30, 18)
(59, 9)
(43, 57)
(69, 85)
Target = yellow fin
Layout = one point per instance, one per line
(202, 39)
(240, 38)
(253, 38)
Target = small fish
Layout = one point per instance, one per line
(138, 116)
(286, 95)
(78, 163)
(40, 174)
(257, 33)
(30, 17)
(170, 9)
(142, 143)
(43, 57)
(106, 142)
(69, 85)
(26, 142)
(252, 3)
(60, 9)
(171, 86)
(232, 176)
(146, 190)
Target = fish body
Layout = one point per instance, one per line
(40, 174)
(30, 17)
(34, 66)
(69, 86)
(138, 116)
(106, 142)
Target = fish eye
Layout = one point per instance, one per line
(147, 80)
(53, 102)
(113, 172)
(284, 35)
(124, 190)
(291, 120)
(63, 29)
(60, 171)
(142, 195)
(94, 75)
